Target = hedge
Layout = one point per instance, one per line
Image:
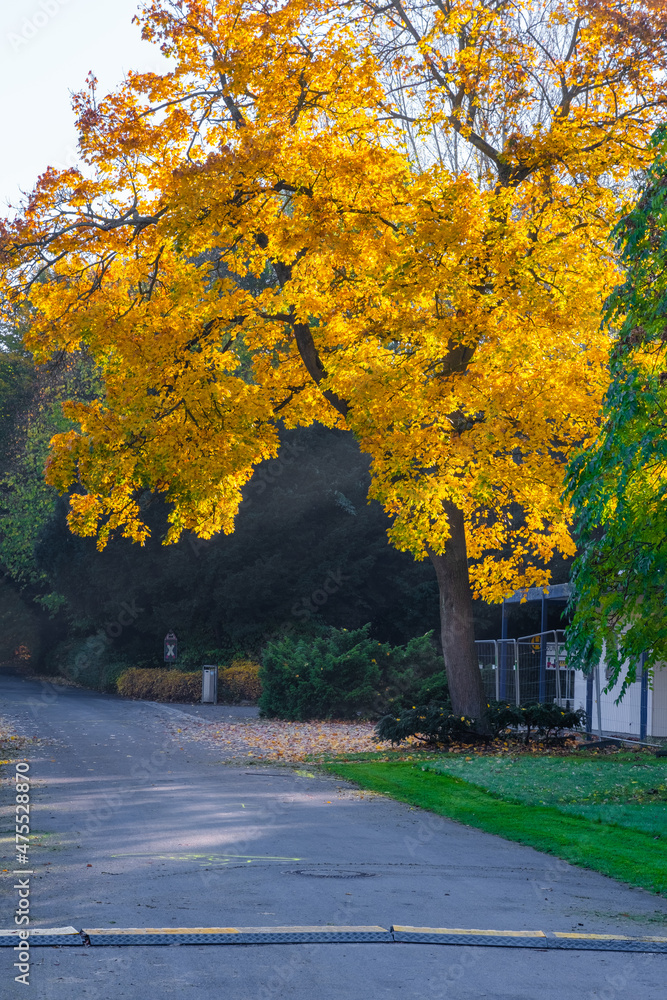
(239, 682)
(160, 684)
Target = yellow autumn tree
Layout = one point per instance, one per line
(390, 219)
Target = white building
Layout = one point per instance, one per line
(642, 711)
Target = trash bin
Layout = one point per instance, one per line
(209, 685)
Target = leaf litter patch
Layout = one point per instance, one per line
(276, 740)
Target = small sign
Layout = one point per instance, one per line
(551, 656)
(170, 648)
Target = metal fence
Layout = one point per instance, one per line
(528, 669)
(534, 668)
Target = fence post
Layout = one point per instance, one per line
(569, 673)
(543, 653)
(643, 707)
(497, 670)
(558, 687)
(597, 692)
(503, 657)
(517, 686)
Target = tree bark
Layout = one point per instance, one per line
(456, 623)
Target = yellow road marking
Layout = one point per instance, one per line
(460, 930)
(607, 937)
(163, 930)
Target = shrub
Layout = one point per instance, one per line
(411, 675)
(335, 676)
(430, 691)
(433, 724)
(551, 719)
(344, 675)
(160, 685)
(547, 718)
(240, 682)
(502, 716)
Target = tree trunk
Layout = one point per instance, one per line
(456, 624)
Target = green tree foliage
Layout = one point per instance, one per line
(26, 502)
(20, 492)
(31, 398)
(619, 485)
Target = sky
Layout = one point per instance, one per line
(47, 48)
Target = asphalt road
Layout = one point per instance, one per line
(138, 825)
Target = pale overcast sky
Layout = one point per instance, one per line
(47, 48)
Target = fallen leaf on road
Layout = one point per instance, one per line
(277, 740)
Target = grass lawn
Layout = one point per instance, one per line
(598, 813)
(628, 789)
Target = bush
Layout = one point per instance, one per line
(548, 718)
(433, 724)
(335, 676)
(240, 682)
(552, 719)
(411, 675)
(431, 691)
(160, 685)
(502, 716)
(343, 675)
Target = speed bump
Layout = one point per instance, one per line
(458, 935)
(158, 935)
(399, 934)
(235, 935)
(557, 940)
(607, 942)
(42, 936)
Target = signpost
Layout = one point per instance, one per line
(170, 648)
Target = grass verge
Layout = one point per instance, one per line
(623, 789)
(627, 855)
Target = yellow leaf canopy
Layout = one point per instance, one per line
(391, 221)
